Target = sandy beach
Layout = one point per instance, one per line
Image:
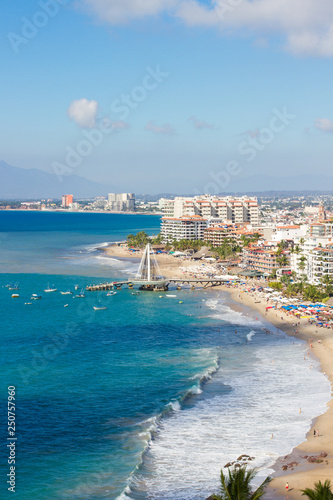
(299, 468)
(312, 460)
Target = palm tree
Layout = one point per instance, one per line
(321, 491)
(301, 263)
(282, 261)
(236, 485)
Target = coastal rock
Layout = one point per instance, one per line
(323, 455)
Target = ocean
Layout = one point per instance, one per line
(149, 398)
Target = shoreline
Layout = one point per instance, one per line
(299, 468)
(60, 210)
(295, 468)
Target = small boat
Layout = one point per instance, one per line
(110, 293)
(80, 295)
(67, 293)
(66, 305)
(15, 296)
(13, 287)
(34, 296)
(99, 308)
(77, 287)
(48, 289)
(135, 293)
(171, 295)
(28, 303)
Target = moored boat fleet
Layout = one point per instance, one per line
(52, 289)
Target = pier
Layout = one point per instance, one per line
(205, 282)
(149, 278)
(157, 285)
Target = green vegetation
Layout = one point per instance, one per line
(282, 261)
(229, 248)
(236, 485)
(321, 491)
(276, 285)
(138, 240)
(141, 239)
(182, 245)
(246, 240)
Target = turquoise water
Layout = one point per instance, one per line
(65, 243)
(146, 399)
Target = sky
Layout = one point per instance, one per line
(181, 96)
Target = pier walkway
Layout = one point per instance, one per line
(205, 282)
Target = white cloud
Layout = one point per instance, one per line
(83, 112)
(324, 124)
(305, 26)
(166, 129)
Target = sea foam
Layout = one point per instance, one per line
(273, 394)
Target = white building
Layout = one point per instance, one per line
(303, 260)
(321, 264)
(228, 208)
(121, 202)
(290, 232)
(183, 228)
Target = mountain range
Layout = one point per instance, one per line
(20, 183)
(260, 182)
(30, 184)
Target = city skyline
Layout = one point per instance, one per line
(174, 96)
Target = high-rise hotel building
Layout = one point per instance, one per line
(186, 218)
(121, 202)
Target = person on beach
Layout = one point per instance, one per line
(287, 487)
(314, 432)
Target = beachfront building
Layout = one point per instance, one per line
(121, 202)
(263, 258)
(302, 255)
(216, 234)
(66, 200)
(320, 264)
(227, 208)
(183, 228)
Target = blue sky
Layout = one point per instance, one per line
(225, 75)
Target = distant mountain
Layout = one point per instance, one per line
(20, 183)
(259, 183)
